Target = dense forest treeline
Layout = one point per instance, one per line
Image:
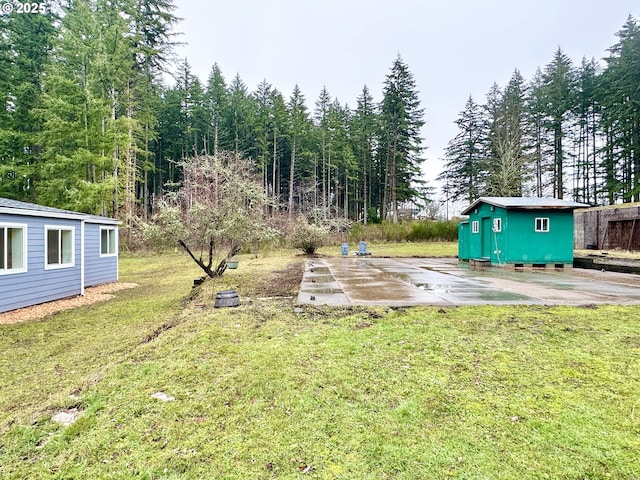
(570, 132)
(89, 125)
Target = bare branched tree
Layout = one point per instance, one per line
(218, 208)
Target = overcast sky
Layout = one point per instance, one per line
(454, 48)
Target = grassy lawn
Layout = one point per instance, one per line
(268, 391)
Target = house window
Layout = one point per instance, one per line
(497, 224)
(59, 247)
(13, 248)
(475, 226)
(542, 224)
(108, 241)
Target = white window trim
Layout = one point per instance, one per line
(58, 266)
(542, 223)
(497, 225)
(25, 250)
(115, 232)
(475, 226)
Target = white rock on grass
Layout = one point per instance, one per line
(163, 397)
(66, 417)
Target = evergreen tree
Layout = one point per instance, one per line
(280, 126)
(25, 43)
(559, 93)
(507, 164)
(83, 136)
(299, 127)
(588, 113)
(400, 141)
(321, 117)
(217, 103)
(263, 128)
(99, 105)
(363, 134)
(538, 135)
(170, 148)
(240, 117)
(341, 149)
(621, 114)
(463, 176)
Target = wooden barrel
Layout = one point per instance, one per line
(227, 298)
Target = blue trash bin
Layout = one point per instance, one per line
(363, 248)
(345, 249)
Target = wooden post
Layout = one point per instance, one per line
(633, 227)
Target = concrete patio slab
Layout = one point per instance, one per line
(443, 281)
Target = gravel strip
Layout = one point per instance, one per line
(92, 295)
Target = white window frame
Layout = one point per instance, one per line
(475, 226)
(497, 225)
(541, 224)
(59, 228)
(25, 263)
(110, 231)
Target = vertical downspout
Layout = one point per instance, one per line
(82, 257)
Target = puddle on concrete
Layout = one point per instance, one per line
(320, 270)
(436, 288)
(321, 278)
(323, 291)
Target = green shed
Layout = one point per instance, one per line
(518, 231)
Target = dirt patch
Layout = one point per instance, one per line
(282, 283)
(92, 295)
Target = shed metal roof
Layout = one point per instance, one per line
(525, 203)
(16, 207)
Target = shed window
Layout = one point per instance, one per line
(542, 224)
(59, 247)
(108, 241)
(497, 224)
(13, 248)
(475, 226)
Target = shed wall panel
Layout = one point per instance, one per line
(608, 227)
(98, 270)
(38, 285)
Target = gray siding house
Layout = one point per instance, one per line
(47, 254)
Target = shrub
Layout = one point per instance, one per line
(416, 231)
(307, 236)
(445, 231)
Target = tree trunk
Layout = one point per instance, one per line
(559, 167)
(291, 176)
(206, 268)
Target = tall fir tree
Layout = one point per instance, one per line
(25, 43)
(588, 109)
(559, 93)
(463, 174)
(507, 163)
(621, 114)
(299, 127)
(401, 119)
(321, 117)
(363, 134)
